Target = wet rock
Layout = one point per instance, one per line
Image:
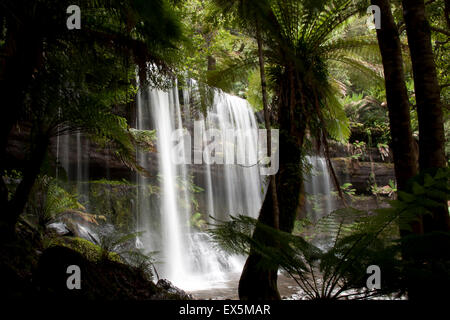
(76, 223)
(358, 173)
(170, 288)
(59, 228)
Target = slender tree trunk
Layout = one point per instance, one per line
(396, 96)
(429, 106)
(272, 183)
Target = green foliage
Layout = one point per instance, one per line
(254, 93)
(347, 189)
(217, 54)
(114, 200)
(355, 240)
(115, 245)
(120, 247)
(368, 120)
(48, 200)
(187, 184)
(322, 43)
(11, 178)
(388, 190)
(321, 273)
(300, 226)
(122, 182)
(74, 81)
(426, 192)
(145, 139)
(359, 148)
(197, 221)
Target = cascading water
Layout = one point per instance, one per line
(318, 188)
(231, 187)
(72, 154)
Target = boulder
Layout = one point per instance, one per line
(100, 280)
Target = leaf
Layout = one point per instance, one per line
(429, 181)
(418, 189)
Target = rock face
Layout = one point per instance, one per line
(102, 163)
(340, 150)
(99, 162)
(358, 173)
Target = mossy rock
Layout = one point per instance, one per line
(101, 280)
(89, 250)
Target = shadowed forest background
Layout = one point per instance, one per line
(88, 175)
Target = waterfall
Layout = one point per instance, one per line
(72, 157)
(318, 188)
(232, 187)
(163, 110)
(72, 154)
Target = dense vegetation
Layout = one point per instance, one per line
(313, 69)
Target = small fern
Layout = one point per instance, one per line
(356, 240)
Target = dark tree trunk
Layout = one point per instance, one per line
(259, 282)
(22, 56)
(396, 96)
(429, 106)
(273, 185)
(405, 157)
(18, 202)
(431, 152)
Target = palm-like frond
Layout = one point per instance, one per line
(231, 71)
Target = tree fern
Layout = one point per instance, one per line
(355, 240)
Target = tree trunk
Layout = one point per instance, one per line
(22, 54)
(431, 149)
(259, 282)
(429, 106)
(405, 163)
(273, 185)
(17, 204)
(405, 158)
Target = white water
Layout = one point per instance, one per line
(72, 154)
(186, 254)
(162, 111)
(188, 257)
(317, 184)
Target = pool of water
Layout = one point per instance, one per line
(229, 289)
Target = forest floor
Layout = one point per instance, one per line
(30, 268)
